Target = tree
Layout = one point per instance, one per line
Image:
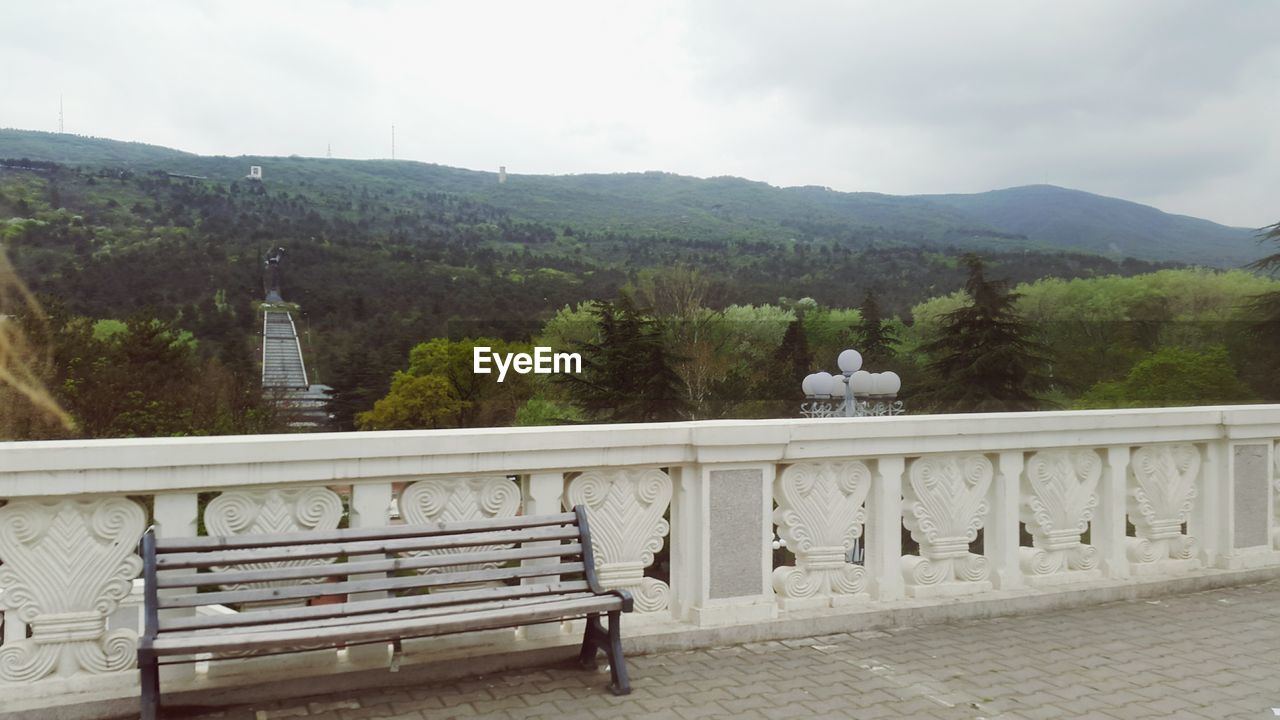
(415, 401)
(628, 375)
(1267, 305)
(874, 336)
(778, 392)
(983, 360)
(441, 389)
(1172, 377)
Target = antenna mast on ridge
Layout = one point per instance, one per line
(61, 126)
(393, 142)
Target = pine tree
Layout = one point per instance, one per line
(983, 359)
(874, 337)
(628, 375)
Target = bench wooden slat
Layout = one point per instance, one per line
(363, 567)
(232, 542)
(353, 621)
(361, 607)
(390, 629)
(311, 551)
(288, 592)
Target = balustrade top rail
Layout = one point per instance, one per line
(146, 465)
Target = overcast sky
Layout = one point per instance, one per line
(1171, 103)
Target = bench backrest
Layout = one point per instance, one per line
(419, 568)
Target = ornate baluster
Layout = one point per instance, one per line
(262, 512)
(1059, 493)
(265, 512)
(820, 514)
(458, 500)
(1161, 495)
(625, 510)
(944, 505)
(67, 564)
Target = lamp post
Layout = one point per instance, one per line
(852, 393)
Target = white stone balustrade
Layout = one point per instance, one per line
(1199, 486)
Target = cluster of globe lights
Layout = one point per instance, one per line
(853, 393)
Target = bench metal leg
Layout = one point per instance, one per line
(150, 681)
(617, 664)
(593, 640)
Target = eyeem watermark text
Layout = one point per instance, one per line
(543, 361)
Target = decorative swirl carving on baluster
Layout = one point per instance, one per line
(25, 661)
(972, 568)
(1160, 500)
(117, 651)
(1142, 550)
(820, 514)
(1038, 562)
(463, 499)
(68, 561)
(917, 570)
(264, 512)
(625, 509)
(1083, 557)
(652, 595)
(1184, 547)
(793, 582)
(848, 580)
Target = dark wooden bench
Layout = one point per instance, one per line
(386, 597)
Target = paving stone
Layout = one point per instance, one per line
(1205, 655)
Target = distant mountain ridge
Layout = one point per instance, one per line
(1033, 218)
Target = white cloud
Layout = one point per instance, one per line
(1166, 102)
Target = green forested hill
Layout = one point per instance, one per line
(1039, 218)
(1071, 218)
(382, 255)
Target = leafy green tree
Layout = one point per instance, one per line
(441, 389)
(415, 401)
(983, 359)
(874, 337)
(543, 411)
(1173, 377)
(628, 374)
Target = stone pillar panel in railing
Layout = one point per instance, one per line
(944, 506)
(452, 500)
(1250, 492)
(1162, 492)
(1059, 494)
(625, 511)
(820, 514)
(264, 512)
(67, 564)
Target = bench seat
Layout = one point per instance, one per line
(386, 627)
(390, 583)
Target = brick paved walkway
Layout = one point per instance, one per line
(1207, 655)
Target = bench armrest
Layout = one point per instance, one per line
(628, 603)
